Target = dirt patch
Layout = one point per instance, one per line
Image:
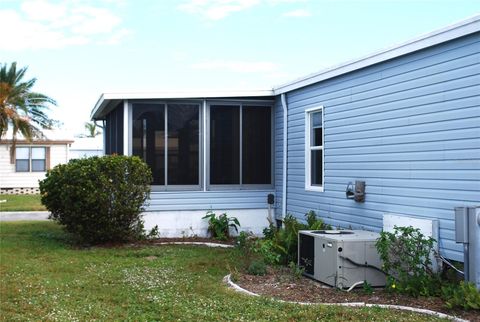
(281, 284)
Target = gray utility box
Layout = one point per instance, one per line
(340, 258)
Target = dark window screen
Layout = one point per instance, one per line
(224, 144)
(183, 144)
(148, 138)
(256, 145)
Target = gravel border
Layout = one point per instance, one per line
(227, 279)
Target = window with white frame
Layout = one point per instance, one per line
(30, 159)
(314, 149)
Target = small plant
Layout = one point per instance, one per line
(367, 287)
(315, 223)
(153, 233)
(406, 259)
(257, 267)
(296, 270)
(220, 226)
(269, 232)
(463, 295)
(267, 249)
(242, 240)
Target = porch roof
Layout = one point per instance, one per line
(108, 101)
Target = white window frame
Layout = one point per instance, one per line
(308, 149)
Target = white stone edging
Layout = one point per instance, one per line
(208, 244)
(227, 279)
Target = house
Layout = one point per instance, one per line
(405, 120)
(21, 170)
(84, 147)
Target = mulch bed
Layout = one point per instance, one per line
(279, 283)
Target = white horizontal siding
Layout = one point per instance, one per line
(9, 178)
(409, 127)
(208, 200)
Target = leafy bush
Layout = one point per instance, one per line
(267, 250)
(220, 227)
(406, 259)
(257, 267)
(315, 223)
(463, 295)
(98, 199)
(285, 240)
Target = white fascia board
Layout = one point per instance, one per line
(463, 28)
(106, 97)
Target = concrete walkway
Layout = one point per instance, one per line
(23, 215)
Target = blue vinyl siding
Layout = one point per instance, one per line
(409, 127)
(208, 200)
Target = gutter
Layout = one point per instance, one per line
(285, 155)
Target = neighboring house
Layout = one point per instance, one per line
(21, 171)
(86, 147)
(405, 120)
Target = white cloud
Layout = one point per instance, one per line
(45, 24)
(219, 9)
(299, 13)
(237, 66)
(216, 9)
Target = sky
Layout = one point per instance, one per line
(79, 49)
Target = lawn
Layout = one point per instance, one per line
(42, 277)
(21, 203)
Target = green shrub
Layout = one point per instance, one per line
(406, 259)
(284, 242)
(463, 295)
(98, 199)
(220, 227)
(257, 267)
(267, 249)
(315, 223)
(242, 240)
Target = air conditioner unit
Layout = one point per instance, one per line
(340, 258)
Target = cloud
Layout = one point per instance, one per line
(219, 9)
(41, 24)
(216, 9)
(237, 66)
(299, 13)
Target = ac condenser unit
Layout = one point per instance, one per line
(340, 258)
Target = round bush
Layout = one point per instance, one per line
(98, 199)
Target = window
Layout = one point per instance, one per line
(224, 144)
(256, 145)
(240, 145)
(30, 159)
(314, 149)
(167, 138)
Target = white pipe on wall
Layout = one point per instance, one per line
(285, 155)
(126, 128)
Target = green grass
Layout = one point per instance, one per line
(43, 278)
(21, 203)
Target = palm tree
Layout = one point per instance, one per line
(20, 107)
(91, 128)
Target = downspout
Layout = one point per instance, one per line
(285, 155)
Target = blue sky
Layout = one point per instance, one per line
(80, 48)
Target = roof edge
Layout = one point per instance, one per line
(106, 97)
(453, 31)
